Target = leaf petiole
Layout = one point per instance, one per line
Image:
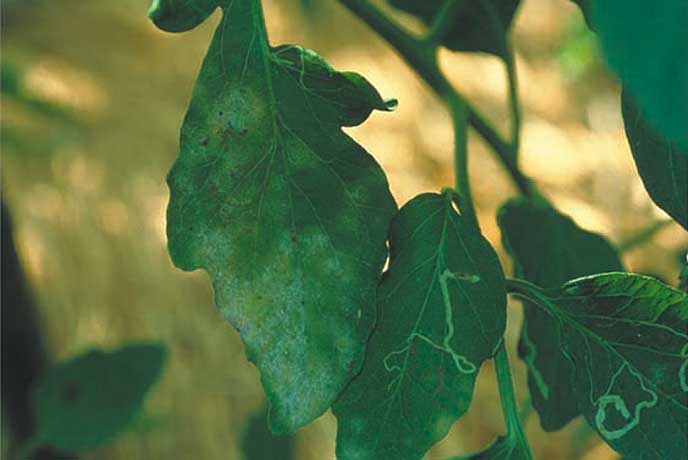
(442, 22)
(421, 57)
(514, 430)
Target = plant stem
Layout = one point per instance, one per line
(514, 104)
(524, 289)
(421, 57)
(643, 235)
(459, 115)
(514, 429)
(442, 22)
(507, 53)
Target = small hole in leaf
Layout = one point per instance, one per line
(71, 392)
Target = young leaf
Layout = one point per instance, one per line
(548, 248)
(84, 402)
(646, 44)
(441, 313)
(286, 212)
(662, 164)
(503, 448)
(626, 337)
(479, 25)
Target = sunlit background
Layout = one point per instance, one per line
(93, 98)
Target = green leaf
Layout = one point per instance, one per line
(585, 6)
(548, 249)
(181, 15)
(84, 402)
(626, 337)
(479, 25)
(683, 278)
(286, 212)
(259, 443)
(662, 165)
(503, 448)
(646, 44)
(441, 313)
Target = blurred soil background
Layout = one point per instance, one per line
(93, 98)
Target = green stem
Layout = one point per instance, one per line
(514, 103)
(514, 429)
(507, 53)
(421, 57)
(532, 293)
(442, 23)
(643, 235)
(459, 115)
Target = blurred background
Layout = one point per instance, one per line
(93, 96)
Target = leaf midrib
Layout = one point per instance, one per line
(560, 312)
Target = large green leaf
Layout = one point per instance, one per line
(662, 164)
(286, 212)
(548, 249)
(646, 44)
(626, 337)
(82, 403)
(479, 25)
(441, 313)
(503, 448)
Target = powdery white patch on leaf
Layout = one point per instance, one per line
(286, 212)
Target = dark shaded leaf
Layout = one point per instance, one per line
(480, 25)
(626, 337)
(441, 313)
(548, 249)
(259, 443)
(646, 44)
(662, 165)
(86, 401)
(181, 15)
(286, 212)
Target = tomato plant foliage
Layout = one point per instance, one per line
(476, 26)
(625, 336)
(662, 164)
(293, 221)
(549, 249)
(441, 313)
(287, 213)
(84, 402)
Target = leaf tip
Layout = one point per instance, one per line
(391, 104)
(154, 11)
